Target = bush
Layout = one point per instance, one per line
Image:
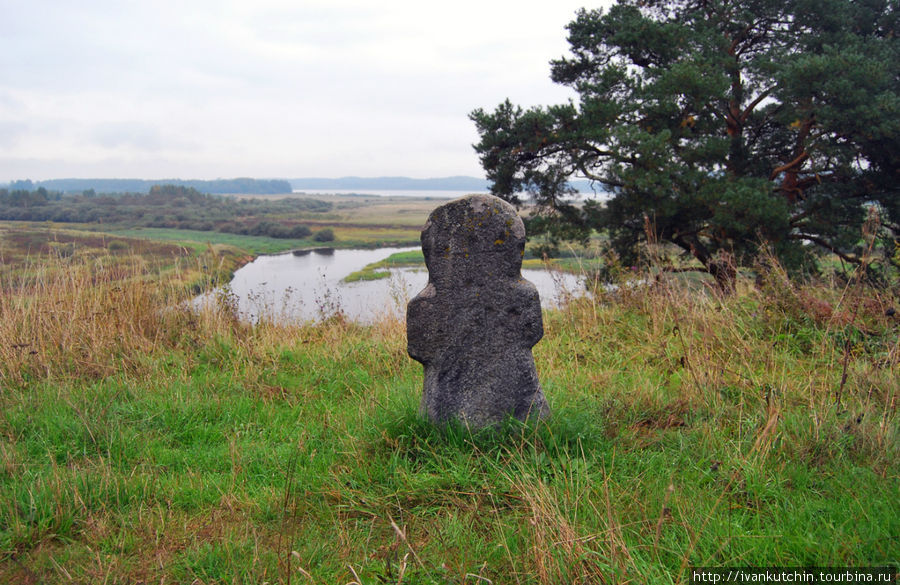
(263, 228)
(299, 232)
(326, 235)
(296, 232)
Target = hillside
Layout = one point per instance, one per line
(144, 442)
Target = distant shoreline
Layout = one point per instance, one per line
(394, 184)
(401, 186)
(364, 193)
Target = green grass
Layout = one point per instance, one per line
(347, 236)
(380, 269)
(140, 445)
(26, 246)
(415, 258)
(356, 222)
(252, 244)
(573, 265)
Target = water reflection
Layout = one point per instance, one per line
(307, 286)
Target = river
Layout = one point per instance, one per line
(308, 286)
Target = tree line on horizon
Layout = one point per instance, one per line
(248, 186)
(169, 206)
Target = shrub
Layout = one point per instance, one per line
(326, 235)
(299, 232)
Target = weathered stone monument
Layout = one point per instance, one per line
(474, 324)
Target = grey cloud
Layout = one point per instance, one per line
(134, 135)
(269, 88)
(10, 133)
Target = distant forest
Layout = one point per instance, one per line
(241, 186)
(168, 206)
(247, 186)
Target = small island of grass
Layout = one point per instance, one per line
(381, 269)
(567, 262)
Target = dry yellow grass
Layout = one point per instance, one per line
(145, 442)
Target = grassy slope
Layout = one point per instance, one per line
(193, 264)
(144, 445)
(356, 222)
(346, 236)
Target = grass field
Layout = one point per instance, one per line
(369, 221)
(25, 249)
(145, 443)
(366, 222)
(356, 222)
(409, 212)
(346, 236)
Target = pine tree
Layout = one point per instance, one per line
(715, 125)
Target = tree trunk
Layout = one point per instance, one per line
(720, 267)
(724, 273)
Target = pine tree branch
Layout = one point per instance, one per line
(752, 105)
(827, 245)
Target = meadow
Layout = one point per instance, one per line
(143, 442)
(257, 223)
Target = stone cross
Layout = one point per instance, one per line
(474, 324)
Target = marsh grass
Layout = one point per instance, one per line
(144, 442)
(382, 268)
(346, 236)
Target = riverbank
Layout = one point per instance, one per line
(316, 285)
(144, 444)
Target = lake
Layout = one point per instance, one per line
(307, 286)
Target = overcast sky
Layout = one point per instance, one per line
(264, 88)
